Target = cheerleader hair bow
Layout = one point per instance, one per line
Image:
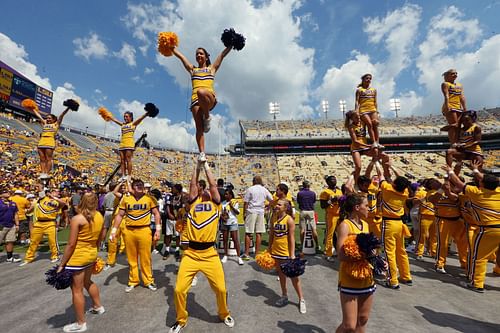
(61, 280)
(167, 40)
(231, 38)
(29, 104)
(71, 104)
(294, 267)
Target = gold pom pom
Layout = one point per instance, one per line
(98, 266)
(166, 42)
(351, 248)
(29, 104)
(105, 114)
(265, 261)
(179, 226)
(359, 270)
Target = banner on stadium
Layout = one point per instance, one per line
(43, 98)
(6, 77)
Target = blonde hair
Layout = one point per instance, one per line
(449, 71)
(88, 206)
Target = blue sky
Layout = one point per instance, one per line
(297, 53)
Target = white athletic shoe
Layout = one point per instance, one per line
(176, 328)
(229, 321)
(194, 282)
(152, 287)
(302, 306)
(202, 157)
(224, 259)
(54, 260)
(240, 261)
(129, 288)
(440, 270)
(155, 251)
(75, 327)
(13, 259)
(98, 311)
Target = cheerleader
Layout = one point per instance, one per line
(356, 295)
(453, 105)
(47, 142)
(366, 106)
(86, 233)
(127, 144)
(359, 144)
(203, 98)
(468, 147)
(282, 245)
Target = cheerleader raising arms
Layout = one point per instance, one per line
(454, 104)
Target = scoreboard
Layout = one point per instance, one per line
(14, 88)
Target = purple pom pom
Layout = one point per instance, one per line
(293, 268)
(60, 280)
(151, 110)
(368, 243)
(232, 39)
(238, 42)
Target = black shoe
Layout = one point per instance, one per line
(177, 255)
(470, 286)
(394, 287)
(407, 282)
(166, 254)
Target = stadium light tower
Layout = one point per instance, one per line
(395, 104)
(342, 107)
(325, 106)
(274, 109)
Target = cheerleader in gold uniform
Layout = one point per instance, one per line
(356, 295)
(203, 98)
(47, 142)
(127, 143)
(282, 245)
(80, 255)
(453, 105)
(359, 144)
(468, 147)
(366, 106)
(198, 239)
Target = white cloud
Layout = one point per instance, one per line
(15, 56)
(91, 46)
(398, 37)
(271, 67)
(127, 54)
(148, 70)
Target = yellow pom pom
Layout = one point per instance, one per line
(166, 42)
(360, 269)
(29, 104)
(98, 266)
(265, 261)
(351, 248)
(105, 114)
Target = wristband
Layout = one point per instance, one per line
(157, 226)
(451, 172)
(475, 171)
(114, 230)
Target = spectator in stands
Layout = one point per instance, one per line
(329, 201)
(453, 105)
(127, 143)
(47, 142)
(253, 213)
(9, 222)
(366, 106)
(306, 200)
(468, 146)
(203, 98)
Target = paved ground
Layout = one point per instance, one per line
(436, 302)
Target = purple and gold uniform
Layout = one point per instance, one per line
(367, 98)
(360, 132)
(427, 230)
(467, 136)
(348, 284)
(279, 248)
(454, 95)
(201, 78)
(127, 138)
(85, 253)
(332, 216)
(374, 217)
(200, 234)
(48, 136)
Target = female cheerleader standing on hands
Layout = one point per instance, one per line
(453, 105)
(366, 106)
(203, 98)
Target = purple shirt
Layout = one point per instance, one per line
(306, 199)
(8, 210)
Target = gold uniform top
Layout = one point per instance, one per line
(202, 222)
(137, 212)
(360, 133)
(373, 211)
(279, 248)
(485, 205)
(348, 284)
(447, 208)
(466, 209)
(366, 100)
(22, 205)
(426, 207)
(202, 78)
(333, 209)
(454, 94)
(48, 136)
(47, 210)
(467, 136)
(392, 201)
(127, 140)
(85, 253)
